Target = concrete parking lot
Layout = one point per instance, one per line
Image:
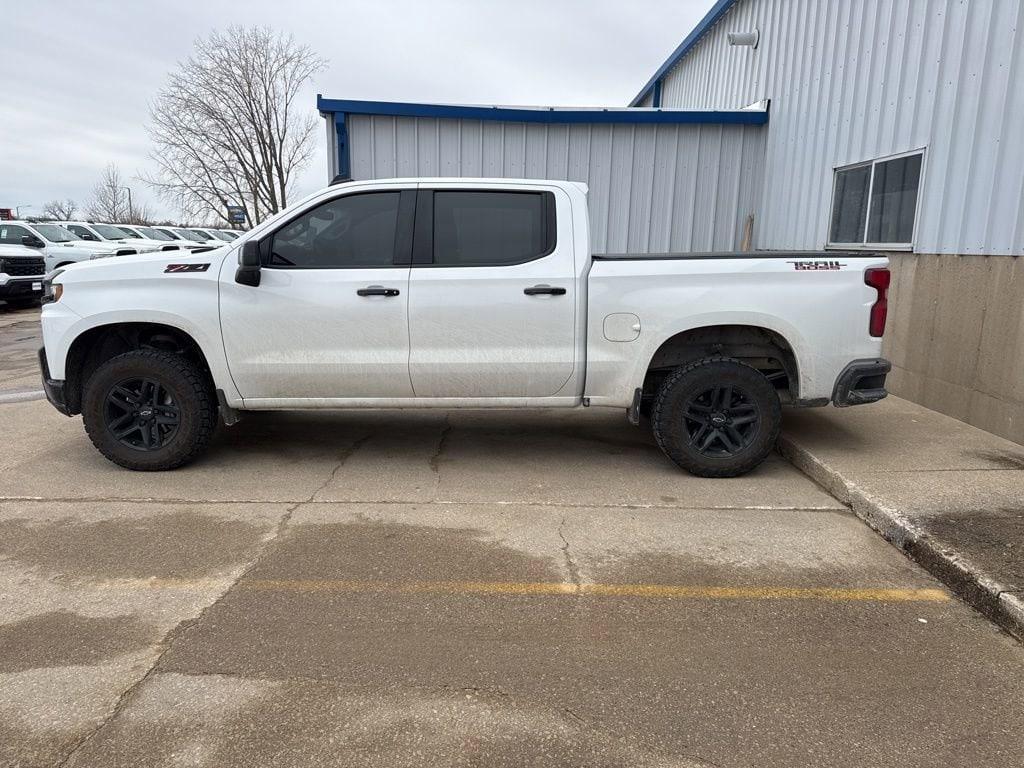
(472, 588)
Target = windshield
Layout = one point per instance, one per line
(108, 232)
(153, 234)
(56, 234)
(128, 231)
(200, 234)
(220, 235)
(229, 235)
(188, 234)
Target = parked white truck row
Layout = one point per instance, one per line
(444, 293)
(44, 247)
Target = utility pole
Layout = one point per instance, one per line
(131, 208)
(17, 210)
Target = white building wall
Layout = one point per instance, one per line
(852, 80)
(653, 188)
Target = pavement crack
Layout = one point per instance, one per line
(570, 563)
(442, 444)
(568, 712)
(179, 630)
(345, 455)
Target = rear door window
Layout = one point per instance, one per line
(484, 228)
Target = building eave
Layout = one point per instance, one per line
(718, 10)
(540, 114)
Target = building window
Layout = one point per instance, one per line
(874, 203)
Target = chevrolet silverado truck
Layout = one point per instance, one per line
(459, 293)
(22, 272)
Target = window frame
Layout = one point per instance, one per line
(401, 253)
(864, 244)
(423, 248)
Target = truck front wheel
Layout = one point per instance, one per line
(149, 410)
(716, 417)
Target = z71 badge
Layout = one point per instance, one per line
(816, 265)
(187, 267)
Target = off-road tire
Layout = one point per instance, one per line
(675, 434)
(186, 385)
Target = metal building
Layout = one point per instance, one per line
(863, 80)
(659, 179)
(888, 125)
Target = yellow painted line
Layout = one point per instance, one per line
(834, 594)
(694, 592)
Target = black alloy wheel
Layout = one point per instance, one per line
(142, 414)
(149, 410)
(716, 417)
(721, 421)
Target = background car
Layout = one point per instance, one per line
(213, 234)
(186, 237)
(22, 270)
(108, 233)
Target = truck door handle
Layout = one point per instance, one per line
(539, 290)
(377, 290)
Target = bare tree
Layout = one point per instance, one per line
(60, 210)
(112, 200)
(227, 128)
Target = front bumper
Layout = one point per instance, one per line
(21, 287)
(862, 381)
(54, 389)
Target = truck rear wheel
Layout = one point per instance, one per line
(716, 417)
(149, 410)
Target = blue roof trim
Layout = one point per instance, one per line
(717, 11)
(539, 114)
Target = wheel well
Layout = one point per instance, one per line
(760, 348)
(97, 345)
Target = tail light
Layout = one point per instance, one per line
(878, 278)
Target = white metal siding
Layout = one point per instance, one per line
(860, 79)
(665, 187)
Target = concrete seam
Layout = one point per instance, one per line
(955, 571)
(417, 502)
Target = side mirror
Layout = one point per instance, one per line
(32, 241)
(248, 272)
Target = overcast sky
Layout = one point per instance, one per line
(79, 76)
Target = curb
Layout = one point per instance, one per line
(991, 598)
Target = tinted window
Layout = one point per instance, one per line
(11, 233)
(894, 200)
(492, 228)
(850, 205)
(79, 230)
(352, 231)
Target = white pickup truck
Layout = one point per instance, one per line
(459, 293)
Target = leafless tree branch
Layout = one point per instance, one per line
(224, 128)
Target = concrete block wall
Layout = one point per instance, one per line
(955, 337)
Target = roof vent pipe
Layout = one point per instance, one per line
(744, 38)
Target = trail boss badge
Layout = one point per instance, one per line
(816, 265)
